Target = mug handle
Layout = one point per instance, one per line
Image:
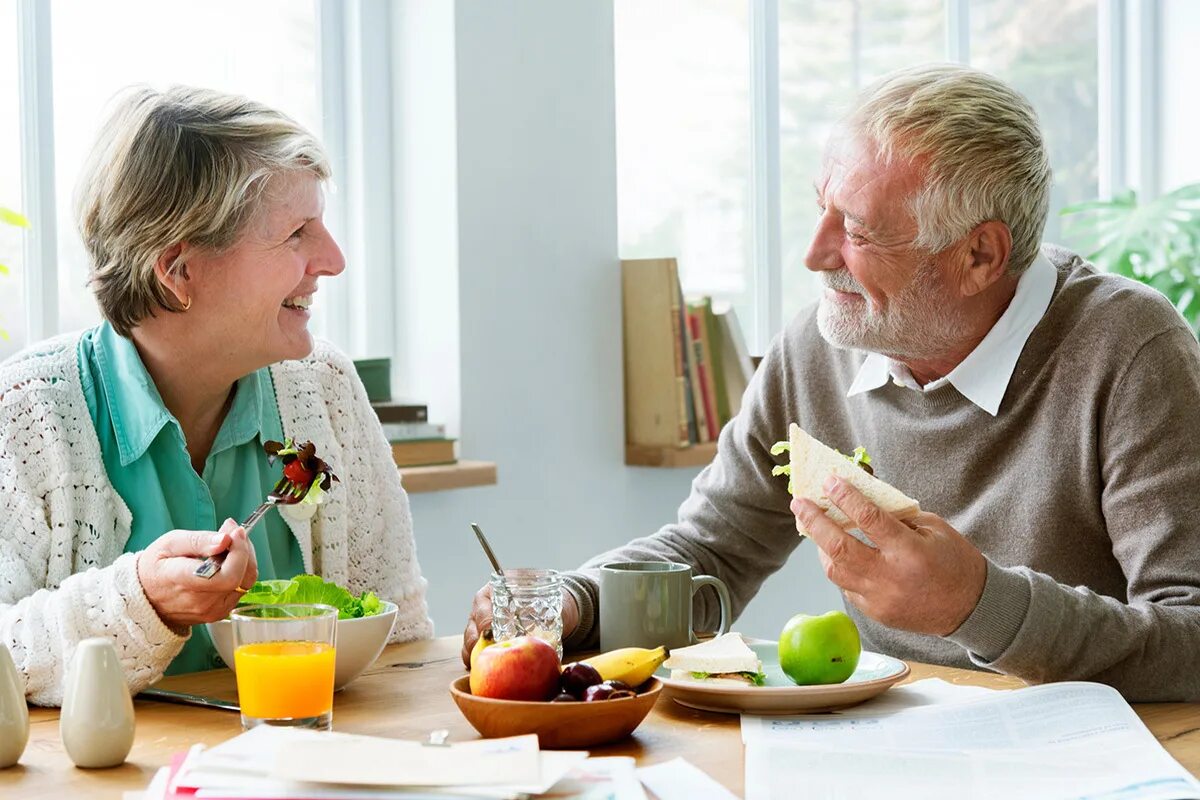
(699, 582)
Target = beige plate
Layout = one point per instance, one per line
(874, 675)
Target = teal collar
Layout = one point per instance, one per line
(139, 414)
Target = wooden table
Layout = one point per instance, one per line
(405, 695)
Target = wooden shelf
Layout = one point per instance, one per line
(448, 476)
(698, 455)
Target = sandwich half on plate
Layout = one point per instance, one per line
(812, 462)
(725, 660)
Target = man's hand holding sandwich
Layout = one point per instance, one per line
(921, 575)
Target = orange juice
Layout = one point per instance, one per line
(282, 680)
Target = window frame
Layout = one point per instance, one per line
(355, 102)
(1130, 80)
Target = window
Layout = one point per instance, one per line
(12, 285)
(684, 142)
(324, 62)
(1048, 51)
(683, 169)
(269, 55)
(827, 53)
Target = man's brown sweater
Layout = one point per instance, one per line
(1083, 491)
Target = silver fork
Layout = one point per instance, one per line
(284, 493)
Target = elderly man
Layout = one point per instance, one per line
(1049, 412)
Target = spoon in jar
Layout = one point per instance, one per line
(487, 550)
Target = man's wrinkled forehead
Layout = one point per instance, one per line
(854, 175)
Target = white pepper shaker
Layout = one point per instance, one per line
(14, 713)
(97, 711)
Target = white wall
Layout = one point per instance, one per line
(539, 316)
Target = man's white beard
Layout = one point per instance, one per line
(917, 323)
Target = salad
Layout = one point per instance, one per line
(310, 477)
(312, 589)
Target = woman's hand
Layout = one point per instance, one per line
(181, 598)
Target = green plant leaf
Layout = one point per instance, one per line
(1155, 242)
(13, 218)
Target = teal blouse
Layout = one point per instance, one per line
(146, 459)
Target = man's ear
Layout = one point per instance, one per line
(985, 259)
(171, 272)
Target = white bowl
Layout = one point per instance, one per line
(359, 642)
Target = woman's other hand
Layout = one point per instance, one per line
(182, 599)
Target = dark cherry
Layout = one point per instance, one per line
(565, 697)
(608, 690)
(601, 691)
(576, 678)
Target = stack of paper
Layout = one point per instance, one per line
(287, 764)
(935, 740)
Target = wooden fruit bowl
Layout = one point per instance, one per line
(559, 726)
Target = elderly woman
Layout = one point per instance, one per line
(129, 451)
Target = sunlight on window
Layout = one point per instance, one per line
(683, 136)
(828, 52)
(1048, 52)
(12, 286)
(265, 50)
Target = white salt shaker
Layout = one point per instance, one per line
(97, 711)
(14, 713)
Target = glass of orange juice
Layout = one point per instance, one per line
(284, 657)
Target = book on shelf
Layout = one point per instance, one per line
(656, 392)
(737, 367)
(704, 375)
(715, 346)
(687, 365)
(404, 431)
(698, 431)
(423, 452)
(401, 412)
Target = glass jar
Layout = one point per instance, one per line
(528, 602)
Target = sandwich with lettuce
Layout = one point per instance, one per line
(810, 462)
(725, 660)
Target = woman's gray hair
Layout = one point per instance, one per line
(977, 141)
(181, 165)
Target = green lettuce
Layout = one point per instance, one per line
(312, 589)
(756, 678)
(859, 459)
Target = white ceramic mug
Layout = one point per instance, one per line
(97, 711)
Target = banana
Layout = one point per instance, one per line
(485, 640)
(632, 665)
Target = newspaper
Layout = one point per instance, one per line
(1062, 740)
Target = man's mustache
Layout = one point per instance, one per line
(842, 281)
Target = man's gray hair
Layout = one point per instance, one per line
(182, 165)
(980, 147)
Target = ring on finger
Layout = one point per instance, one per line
(240, 590)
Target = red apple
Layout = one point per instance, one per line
(524, 668)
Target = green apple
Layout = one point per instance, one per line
(821, 649)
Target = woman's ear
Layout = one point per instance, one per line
(171, 272)
(988, 247)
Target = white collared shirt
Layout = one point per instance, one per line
(982, 377)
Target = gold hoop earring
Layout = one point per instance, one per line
(188, 304)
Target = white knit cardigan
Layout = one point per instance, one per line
(64, 576)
